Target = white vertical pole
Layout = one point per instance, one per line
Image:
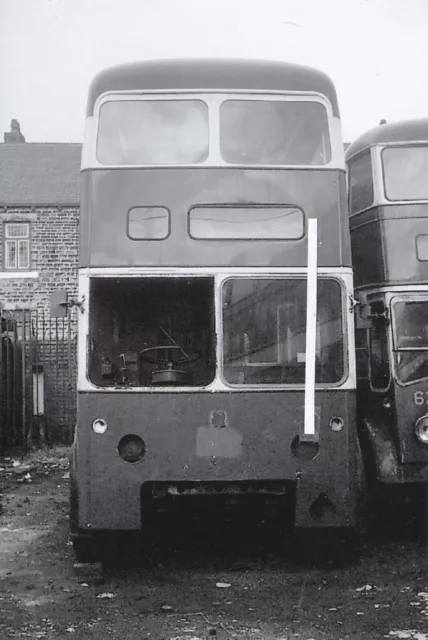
(38, 394)
(311, 327)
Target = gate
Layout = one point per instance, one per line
(37, 378)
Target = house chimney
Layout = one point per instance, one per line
(14, 135)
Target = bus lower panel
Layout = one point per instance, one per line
(381, 457)
(188, 448)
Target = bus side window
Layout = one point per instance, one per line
(360, 179)
(379, 357)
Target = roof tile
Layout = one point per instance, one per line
(40, 173)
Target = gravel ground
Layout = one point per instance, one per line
(191, 588)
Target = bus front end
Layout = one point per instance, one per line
(195, 380)
(389, 224)
(216, 336)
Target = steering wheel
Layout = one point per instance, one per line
(186, 357)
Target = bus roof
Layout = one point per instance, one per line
(402, 131)
(203, 74)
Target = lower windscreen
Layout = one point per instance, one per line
(160, 331)
(148, 332)
(411, 339)
(264, 324)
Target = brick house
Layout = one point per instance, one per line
(39, 218)
(39, 224)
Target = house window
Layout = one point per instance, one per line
(17, 246)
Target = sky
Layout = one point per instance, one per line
(375, 51)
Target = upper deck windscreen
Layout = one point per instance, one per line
(274, 132)
(213, 130)
(405, 171)
(150, 132)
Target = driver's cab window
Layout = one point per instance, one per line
(361, 354)
(380, 372)
(410, 339)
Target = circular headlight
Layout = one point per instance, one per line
(337, 424)
(421, 429)
(99, 426)
(131, 448)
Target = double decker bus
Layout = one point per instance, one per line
(388, 202)
(216, 332)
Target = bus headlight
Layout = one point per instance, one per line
(336, 424)
(421, 429)
(99, 426)
(131, 448)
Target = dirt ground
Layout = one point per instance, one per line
(188, 591)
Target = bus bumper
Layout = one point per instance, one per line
(256, 448)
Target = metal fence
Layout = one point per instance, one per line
(37, 378)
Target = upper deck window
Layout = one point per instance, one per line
(246, 223)
(148, 223)
(360, 182)
(405, 171)
(268, 132)
(153, 132)
(213, 130)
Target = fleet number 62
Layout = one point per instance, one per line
(420, 398)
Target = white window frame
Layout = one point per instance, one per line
(213, 98)
(18, 241)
